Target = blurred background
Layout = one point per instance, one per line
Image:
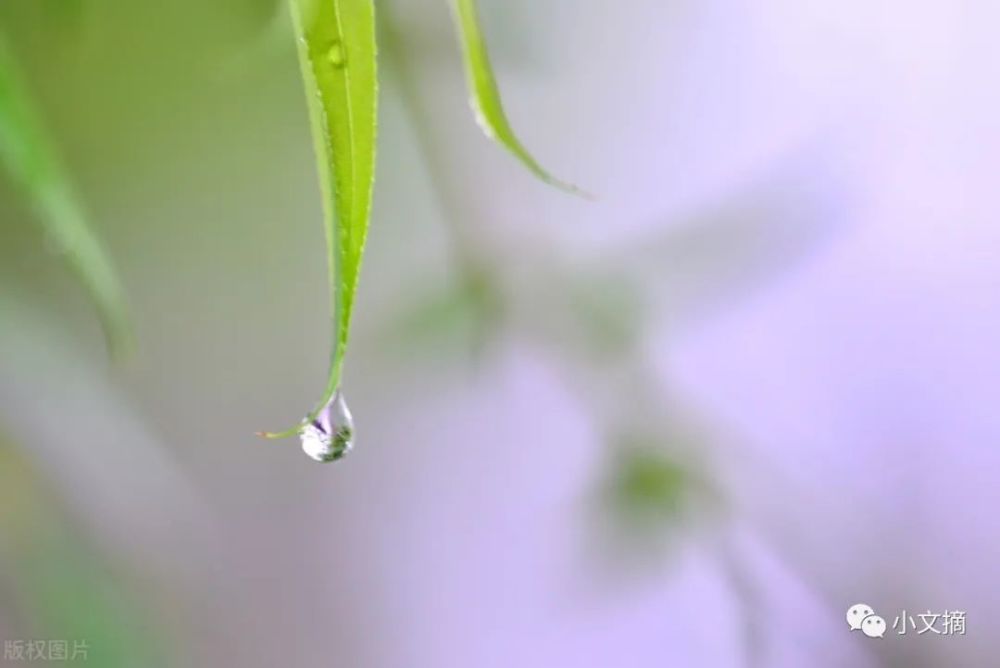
(690, 423)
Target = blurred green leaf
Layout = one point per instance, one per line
(607, 312)
(646, 502)
(463, 315)
(485, 95)
(33, 164)
(657, 478)
(646, 484)
(336, 44)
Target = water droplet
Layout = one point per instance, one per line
(336, 55)
(331, 435)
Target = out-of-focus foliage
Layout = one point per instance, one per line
(64, 589)
(31, 161)
(464, 315)
(648, 486)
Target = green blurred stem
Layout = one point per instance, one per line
(34, 166)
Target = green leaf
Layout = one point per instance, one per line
(647, 483)
(34, 166)
(465, 315)
(485, 96)
(336, 44)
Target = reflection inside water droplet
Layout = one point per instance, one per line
(331, 435)
(336, 55)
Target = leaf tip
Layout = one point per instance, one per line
(571, 189)
(269, 435)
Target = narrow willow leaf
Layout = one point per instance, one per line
(32, 163)
(336, 44)
(485, 95)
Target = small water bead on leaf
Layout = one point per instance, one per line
(331, 435)
(336, 56)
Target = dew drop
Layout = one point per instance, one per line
(331, 435)
(336, 56)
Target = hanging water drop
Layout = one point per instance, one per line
(331, 435)
(336, 56)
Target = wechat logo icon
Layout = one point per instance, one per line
(861, 617)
